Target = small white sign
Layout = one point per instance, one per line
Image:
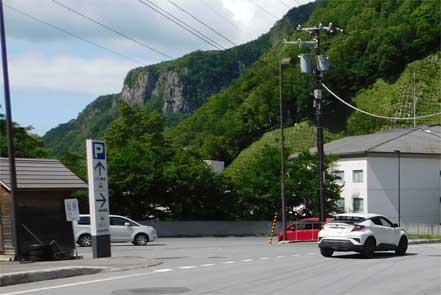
(71, 208)
(98, 187)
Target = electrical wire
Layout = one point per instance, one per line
(264, 10)
(137, 62)
(202, 23)
(181, 23)
(374, 115)
(111, 29)
(284, 4)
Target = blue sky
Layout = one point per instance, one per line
(54, 76)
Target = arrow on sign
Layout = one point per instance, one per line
(103, 200)
(100, 167)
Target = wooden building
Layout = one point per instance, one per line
(42, 186)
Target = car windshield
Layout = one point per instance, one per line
(347, 219)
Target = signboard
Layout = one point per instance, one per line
(71, 209)
(98, 197)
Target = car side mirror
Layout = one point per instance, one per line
(127, 224)
(396, 225)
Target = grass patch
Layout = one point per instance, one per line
(424, 236)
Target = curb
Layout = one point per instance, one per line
(427, 241)
(31, 276)
(48, 274)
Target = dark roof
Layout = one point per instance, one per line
(416, 140)
(40, 174)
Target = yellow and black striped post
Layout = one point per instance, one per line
(273, 228)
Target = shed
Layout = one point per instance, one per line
(42, 186)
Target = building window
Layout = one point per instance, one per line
(357, 176)
(357, 205)
(340, 176)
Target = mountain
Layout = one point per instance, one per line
(391, 99)
(174, 88)
(379, 39)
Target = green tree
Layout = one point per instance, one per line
(136, 153)
(303, 184)
(26, 144)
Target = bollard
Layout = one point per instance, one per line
(273, 227)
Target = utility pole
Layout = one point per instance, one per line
(322, 65)
(283, 62)
(10, 139)
(414, 101)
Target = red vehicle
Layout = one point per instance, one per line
(306, 229)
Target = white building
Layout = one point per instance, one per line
(372, 166)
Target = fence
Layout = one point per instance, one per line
(212, 228)
(431, 229)
(304, 230)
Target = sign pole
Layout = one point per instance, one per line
(72, 214)
(98, 197)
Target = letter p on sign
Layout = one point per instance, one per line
(99, 152)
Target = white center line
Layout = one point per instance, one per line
(295, 255)
(247, 260)
(229, 262)
(264, 258)
(187, 267)
(208, 264)
(281, 256)
(312, 253)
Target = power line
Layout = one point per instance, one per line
(375, 115)
(111, 29)
(72, 34)
(181, 23)
(263, 9)
(284, 4)
(202, 23)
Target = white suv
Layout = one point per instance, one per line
(122, 229)
(363, 233)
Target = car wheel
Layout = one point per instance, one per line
(369, 248)
(402, 247)
(85, 240)
(327, 252)
(141, 240)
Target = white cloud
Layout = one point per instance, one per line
(71, 74)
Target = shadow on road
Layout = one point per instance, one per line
(377, 255)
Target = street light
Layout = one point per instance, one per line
(283, 62)
(399, 184)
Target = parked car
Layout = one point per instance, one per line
(306, 229)
(122, 229)
(363, 233)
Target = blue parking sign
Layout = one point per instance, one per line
(99, 150)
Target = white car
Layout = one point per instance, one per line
(363, 233)
(122, 229)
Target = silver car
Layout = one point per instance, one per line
(122, 229)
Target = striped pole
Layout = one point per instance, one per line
(273, 228)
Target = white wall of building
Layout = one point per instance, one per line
(350, 189)
(420, 187)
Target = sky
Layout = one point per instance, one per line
(53, 75)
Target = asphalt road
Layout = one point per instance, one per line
(233, 266)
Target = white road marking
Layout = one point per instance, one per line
(163, 270)
(311, 253)
(79, 283)
(295, 255)
(208, 264)
(229, 262)
(187, 267)
(264, 258)
(247, 260)
(281, 256)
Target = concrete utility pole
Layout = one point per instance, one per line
(322, 65)
(283, 62)
(10, 139)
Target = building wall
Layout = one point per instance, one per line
(351, 189)
(420, 187)
(6, 246)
